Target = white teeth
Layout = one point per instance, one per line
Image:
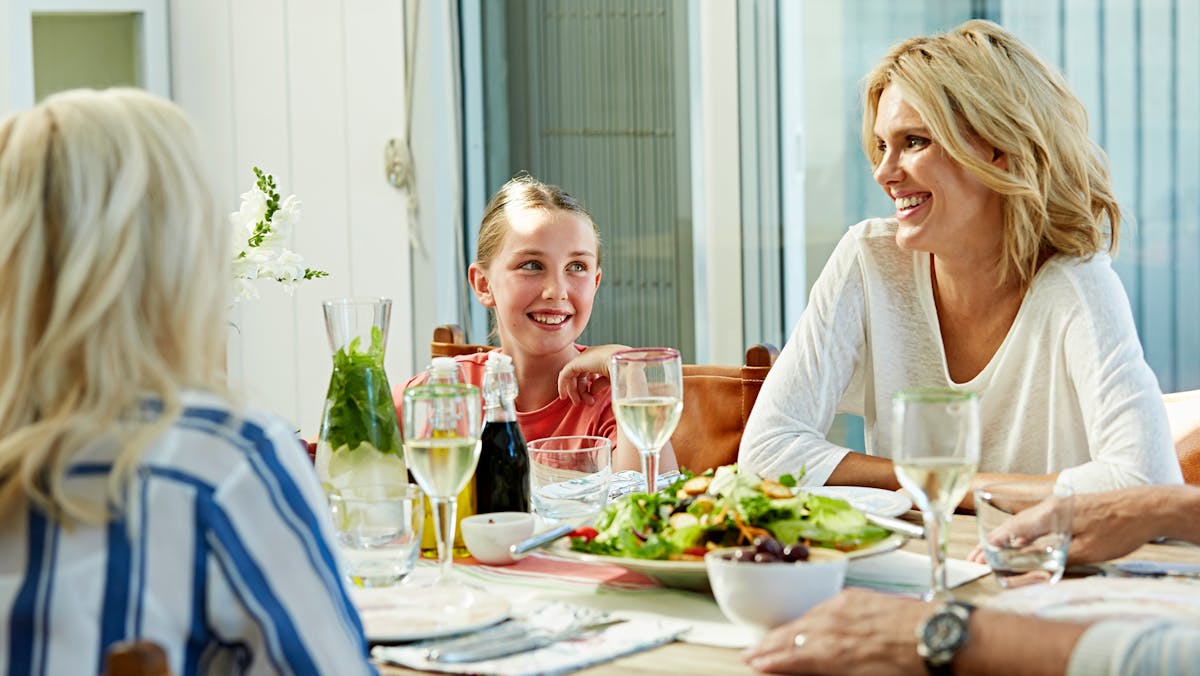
(549, 319)
(910, 201)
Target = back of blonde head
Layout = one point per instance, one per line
(113, 261)
(980, 84)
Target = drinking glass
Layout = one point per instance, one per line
(647, 394)
(441, 443)
(935, 441)
(378, 531)
(1020, 561)
(570, 477)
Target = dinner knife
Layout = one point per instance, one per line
(896, 525)
(534, 640)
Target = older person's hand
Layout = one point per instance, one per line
(1104, 525)
(856, 632)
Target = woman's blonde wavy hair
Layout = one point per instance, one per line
(979, 84)
(113, 287)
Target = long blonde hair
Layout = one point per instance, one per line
(979, 83)
(113, 284)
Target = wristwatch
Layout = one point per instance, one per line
(942, 635)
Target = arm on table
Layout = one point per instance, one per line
(857, 469)
(862, 631)
(1111, 524)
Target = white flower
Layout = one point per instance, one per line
(254, 209)
(283, 221)
(260, 234)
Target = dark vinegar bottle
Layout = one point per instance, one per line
(502, 476)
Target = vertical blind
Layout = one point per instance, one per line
(597, 102)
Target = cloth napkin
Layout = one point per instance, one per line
(903, 572)
(625, 638)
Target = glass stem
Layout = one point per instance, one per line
(650, 468)
(937, 534)
(444, 509)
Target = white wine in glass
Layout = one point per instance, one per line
(935, 435)
(441, 444)
(647, 392)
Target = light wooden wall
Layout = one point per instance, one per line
(309, 90)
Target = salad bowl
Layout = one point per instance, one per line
(693, 575)
(666, 535)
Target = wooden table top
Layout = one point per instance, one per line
(687, 658)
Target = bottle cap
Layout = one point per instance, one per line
(499, 361)
(443, 364)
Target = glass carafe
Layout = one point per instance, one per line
(360, 436)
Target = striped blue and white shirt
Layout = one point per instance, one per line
(222, 555)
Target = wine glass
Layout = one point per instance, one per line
(935, 441)
(647, 394)
(441, 442)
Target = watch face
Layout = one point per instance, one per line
(944, 631)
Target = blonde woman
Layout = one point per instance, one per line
(993, 276)
(135, 499)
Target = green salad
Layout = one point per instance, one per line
(720, 509)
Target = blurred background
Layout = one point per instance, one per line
(715, 142)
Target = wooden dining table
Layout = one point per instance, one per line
(689, 658)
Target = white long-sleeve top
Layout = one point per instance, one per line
(1067, 391)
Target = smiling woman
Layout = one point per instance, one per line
(992, 276)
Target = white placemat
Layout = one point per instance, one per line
(905, 572)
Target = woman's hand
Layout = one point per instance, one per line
(586, 373)
(856, 632)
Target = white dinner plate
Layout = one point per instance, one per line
(1105, 598)
(693, 574)
(865, 498)
(408, 613)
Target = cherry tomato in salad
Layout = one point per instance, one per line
(586, 532)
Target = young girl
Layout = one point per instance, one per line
(538, 266)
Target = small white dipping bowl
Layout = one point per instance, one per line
(765, 595)
(488, 536)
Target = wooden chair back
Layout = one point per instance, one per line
(716, 399)
(136, 658)
(716, 403)
(1183, 412)
(449, 340)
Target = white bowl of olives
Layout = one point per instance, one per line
(769, 583)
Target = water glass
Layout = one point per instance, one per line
(1020, 561)
(570, 477)
(378, 531)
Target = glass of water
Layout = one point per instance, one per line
(570, 477)
(1020, 561)
(378, 531)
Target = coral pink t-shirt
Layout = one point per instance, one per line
(560, 417)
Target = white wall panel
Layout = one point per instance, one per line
(309, 90)
(378, 213)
